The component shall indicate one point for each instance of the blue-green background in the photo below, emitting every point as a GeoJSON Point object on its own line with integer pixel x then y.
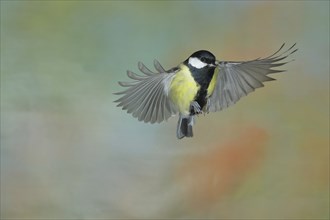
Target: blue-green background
{"type": "Point", "coordinates": [68, 152]}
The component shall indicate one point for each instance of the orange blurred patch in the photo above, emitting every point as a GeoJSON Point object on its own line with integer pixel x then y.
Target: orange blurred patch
{"type": "Point", "coordinates": [208, 177]}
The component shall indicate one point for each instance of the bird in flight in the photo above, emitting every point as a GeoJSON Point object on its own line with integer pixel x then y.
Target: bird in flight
{"type": "Point", "coordinates": [200, 84]}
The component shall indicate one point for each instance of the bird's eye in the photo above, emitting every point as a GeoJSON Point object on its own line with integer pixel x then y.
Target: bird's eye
{"type": "Point", "coordinates": [203, 59]}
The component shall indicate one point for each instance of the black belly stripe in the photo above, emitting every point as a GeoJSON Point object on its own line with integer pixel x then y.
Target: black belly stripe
{"type": "Point", "coordinates": [203, 77]}
{"type": "Point", "coordinates": [200, 99]}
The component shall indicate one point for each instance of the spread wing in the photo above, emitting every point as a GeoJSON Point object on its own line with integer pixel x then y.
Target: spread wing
{"type": "Point", "coordinates": [237, 79]}
{"type": "Point", "coordinates": [146, 97]}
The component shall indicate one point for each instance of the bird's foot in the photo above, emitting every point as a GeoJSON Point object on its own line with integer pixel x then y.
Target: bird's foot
{"type": "Point", "coordinates": [196, 107]}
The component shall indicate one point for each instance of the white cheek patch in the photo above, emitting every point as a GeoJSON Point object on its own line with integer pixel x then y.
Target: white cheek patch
{"type": "Point", "coordinates": [195, 62]}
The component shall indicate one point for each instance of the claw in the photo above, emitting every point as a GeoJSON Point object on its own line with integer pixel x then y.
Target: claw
{"type": "Point", "coordinates": [196, 107]}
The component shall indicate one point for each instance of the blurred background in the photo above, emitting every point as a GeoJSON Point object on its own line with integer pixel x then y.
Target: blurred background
{"type": "Point", "coordinates": [67, 151]}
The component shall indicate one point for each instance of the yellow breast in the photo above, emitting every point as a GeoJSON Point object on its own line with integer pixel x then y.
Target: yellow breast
{"type": "Point", "coordinates": [183, 89]}
{"type": "Point", "coordinates": [212, 84]}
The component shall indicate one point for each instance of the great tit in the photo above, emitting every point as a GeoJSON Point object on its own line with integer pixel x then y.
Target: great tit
{"type": "Point", "coordinates": [200, 84]}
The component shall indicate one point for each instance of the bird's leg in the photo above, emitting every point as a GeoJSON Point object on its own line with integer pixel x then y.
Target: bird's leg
{"type": "Point", "coordinates": [195, 107]}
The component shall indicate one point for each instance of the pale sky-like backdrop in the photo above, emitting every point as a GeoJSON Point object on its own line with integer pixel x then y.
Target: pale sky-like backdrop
{"type": "Point", "coordinates": [67, 151]}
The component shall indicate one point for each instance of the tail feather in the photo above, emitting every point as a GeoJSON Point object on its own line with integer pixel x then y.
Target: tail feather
{"type": "Point", "coordinates": [184, 128]}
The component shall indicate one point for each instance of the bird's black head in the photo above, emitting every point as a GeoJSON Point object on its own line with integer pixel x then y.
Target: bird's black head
{"type": "Point", "coordinates": [201, 59]}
